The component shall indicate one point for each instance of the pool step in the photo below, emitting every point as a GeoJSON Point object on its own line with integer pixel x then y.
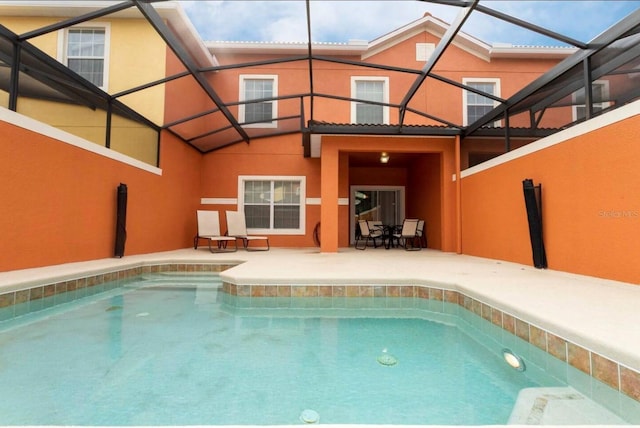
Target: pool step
{"type": "Point", "coordinates": [559, 406]}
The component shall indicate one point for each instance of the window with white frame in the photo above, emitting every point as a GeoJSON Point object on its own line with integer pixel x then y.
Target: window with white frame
{"type": "Point", "coordinates": [374, 89]}
{"type": "Point", "coordinates": [260, 114]}
{"type": "Point", "coordinates": [273, 204]}
{"type": "Point", "coordinates": [85, 51]}
{"type": "Point", "coordinates": [477, 105]}
{"type": "Point", "coordinates": [599, 93]}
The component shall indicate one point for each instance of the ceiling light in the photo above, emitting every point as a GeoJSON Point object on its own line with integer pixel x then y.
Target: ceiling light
{"type": "Point", "coordinates": [513, 360]}
{"type": "Point", "coordinates": [384, 157]}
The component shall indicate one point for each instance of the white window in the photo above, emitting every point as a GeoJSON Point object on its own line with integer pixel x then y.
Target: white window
{"type": "Point", "coordinates": [260, 114]}
{"type": "Point", "coordinates": [273, 204]}
{"type": "Point", "coordinates": [475, 105]}
{"type": "Point", "coordinates": [599, 93]}
{"type": "Point", "coordinates": [370, 89]}
{"type": "Point", "coordinates": [85, 51]}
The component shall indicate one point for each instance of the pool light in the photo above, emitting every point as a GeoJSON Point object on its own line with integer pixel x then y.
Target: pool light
{"type": "Point", "coordinates": [309, 416]}
{"type": "Point", "coordinates": [387, 359]}
{"type": "Point", "coordinates": [513, 360]}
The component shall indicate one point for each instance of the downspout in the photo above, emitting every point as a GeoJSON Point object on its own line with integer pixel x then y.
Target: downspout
{"type": "Point", "coordinates": [458, 199]}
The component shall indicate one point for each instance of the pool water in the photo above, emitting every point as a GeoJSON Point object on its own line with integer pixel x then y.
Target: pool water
{"type": "Point", "coordinates": [177, 351]}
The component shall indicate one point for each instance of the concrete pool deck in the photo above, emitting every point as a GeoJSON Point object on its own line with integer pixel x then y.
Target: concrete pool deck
{"type": "Point", "coordinates": [599, 315]}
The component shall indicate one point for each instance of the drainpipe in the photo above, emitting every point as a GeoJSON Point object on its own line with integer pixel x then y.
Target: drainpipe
{"type": "Point", "coordinates": [458, 199]}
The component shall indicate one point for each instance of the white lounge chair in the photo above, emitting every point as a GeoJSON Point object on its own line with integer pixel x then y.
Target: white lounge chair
{"type": "Point", "coordinates": [209, 229]}
{"type": "Point", "coordinates": [237, 227]}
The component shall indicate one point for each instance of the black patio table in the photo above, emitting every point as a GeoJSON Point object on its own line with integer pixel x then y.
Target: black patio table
{"type": "Point", "coordinates": [387, 234]}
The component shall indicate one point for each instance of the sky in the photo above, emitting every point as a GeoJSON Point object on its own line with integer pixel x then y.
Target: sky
{"type": "Point", "coordinates": [344, 20]}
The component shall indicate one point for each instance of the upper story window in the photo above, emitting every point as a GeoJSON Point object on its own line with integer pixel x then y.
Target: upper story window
{"type": "Point", "coordinates": [273, 204]}
{"type": "Point", "coordinates": [476, 105]}
{"type": "Point", "coordinates": [86, 52]}
{"type": "Point", "coordinates": [599, 93]}
{"type": "Point", "coordinates": [374, 89]}
{"type": "Point", "coordinates": [260, 114]}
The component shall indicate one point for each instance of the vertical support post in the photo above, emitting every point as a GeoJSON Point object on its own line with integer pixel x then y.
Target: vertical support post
{"type": "Point", "coordinates": [15, 76]}
{"type": "Point", "coordinates": [588, 89]}
{"type": "Point", "coordinates": [159, 147]}
{"type": "Point", "coordinates": [329, 178]}
{"type": "Point", "coordinates": [458, 198]}
{"type": "Point", "coordinates": [507, 132]}
{"type": "Point", "coordinates": [107, 137]}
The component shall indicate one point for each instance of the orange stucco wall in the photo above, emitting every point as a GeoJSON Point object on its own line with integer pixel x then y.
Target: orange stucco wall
{"type": "Point", "coordinates": [59, 201]}
{"type": "Point", "coordinates": [278, 156]}
{"type": "Point", "coordinates": [590, 205]}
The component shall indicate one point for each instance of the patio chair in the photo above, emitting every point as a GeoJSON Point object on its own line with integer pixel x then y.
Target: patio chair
{"type": "Point", "coordinates": [375, 225]}
{"type": "Point", "coordinates": [408, 237]}
{"type": "Point", "coordinates": [367, 234]}
{"type": "Point", "coordinates": [421, 234]}
{"type": "Point", "coordinates": [209, 229]}
{"type": "Point", "coordinates": [237, 227]}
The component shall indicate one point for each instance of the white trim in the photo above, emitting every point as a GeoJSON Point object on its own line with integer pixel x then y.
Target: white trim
{"type": "Point", "coordinates": [63, 36]}
{"type": "Point", "coordinates": [33, 125]}
{"type": "Point", "coordinates": [318, 201]}
{"type": "Point", "coordinates": [466, 81]}
{"type": "Point", "coordinates": [617, 115]}
{"type": "Point", "coordinates": [303, 186]}
{"type": "Point", "coordinates": [385, 96]}
{"type": "Point", "coordinates": [219, 201]}
{"type": "Point", "coordinates": [274, 103]}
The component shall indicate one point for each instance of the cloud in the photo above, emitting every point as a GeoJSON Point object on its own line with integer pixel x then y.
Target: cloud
{"type": "Point", "coordinates": [342, 20]}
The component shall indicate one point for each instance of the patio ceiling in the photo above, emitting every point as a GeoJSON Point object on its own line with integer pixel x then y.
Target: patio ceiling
{"type": "Point", "coordinates": [616, 51]}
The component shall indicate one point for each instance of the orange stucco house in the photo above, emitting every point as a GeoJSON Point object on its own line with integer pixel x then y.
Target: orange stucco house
{"type": "Point", "coordinates": [292, 135]}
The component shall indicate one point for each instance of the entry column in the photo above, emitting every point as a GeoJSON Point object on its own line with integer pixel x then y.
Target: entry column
{"type": "Point", "coordinates": [329, 173]}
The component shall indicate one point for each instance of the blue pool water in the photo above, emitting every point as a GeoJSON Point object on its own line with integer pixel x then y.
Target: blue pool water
{"type": "Point", "coordinates": [177, 351]}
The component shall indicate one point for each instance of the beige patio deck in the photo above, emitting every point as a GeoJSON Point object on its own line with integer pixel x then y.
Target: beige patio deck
{"type": "Point", "coordinates": [600, 315]}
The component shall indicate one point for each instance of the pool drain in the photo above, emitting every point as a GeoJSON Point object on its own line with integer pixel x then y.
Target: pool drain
{"type": "Point", "coordinates": [309, 416]}
{"type": "Point", "coordinates": [386, 359]}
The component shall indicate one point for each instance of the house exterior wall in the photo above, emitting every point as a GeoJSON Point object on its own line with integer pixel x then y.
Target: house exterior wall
{"type": "Point", "coordinates": [136, 56]}
{"type": "Point", "coordinates": [488, 203]}
{"type": "Point", "coordinates": [590, 208]}
{"type": "Point", "coordinates": [59, 201]}
{"type": "Point", "coordinates": [430, 190]}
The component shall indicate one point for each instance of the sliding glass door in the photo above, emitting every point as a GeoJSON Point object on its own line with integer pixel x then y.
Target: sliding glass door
{"type": "Point", "coordinates": [380, 203]}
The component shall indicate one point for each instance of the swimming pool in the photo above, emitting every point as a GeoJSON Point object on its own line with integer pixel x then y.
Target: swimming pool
{"type": "Point", "coordinates": [174, 350]}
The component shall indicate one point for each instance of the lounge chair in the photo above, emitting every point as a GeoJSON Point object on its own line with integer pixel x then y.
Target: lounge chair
{"type": "Point", "coordinates": [367, 234]}
{"type": "Point", "coordinates": [209, 229]}
{"type": "Point", "coordinates": [237, 228]}
{"type": "Point", "coordinates": [408, 236]}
